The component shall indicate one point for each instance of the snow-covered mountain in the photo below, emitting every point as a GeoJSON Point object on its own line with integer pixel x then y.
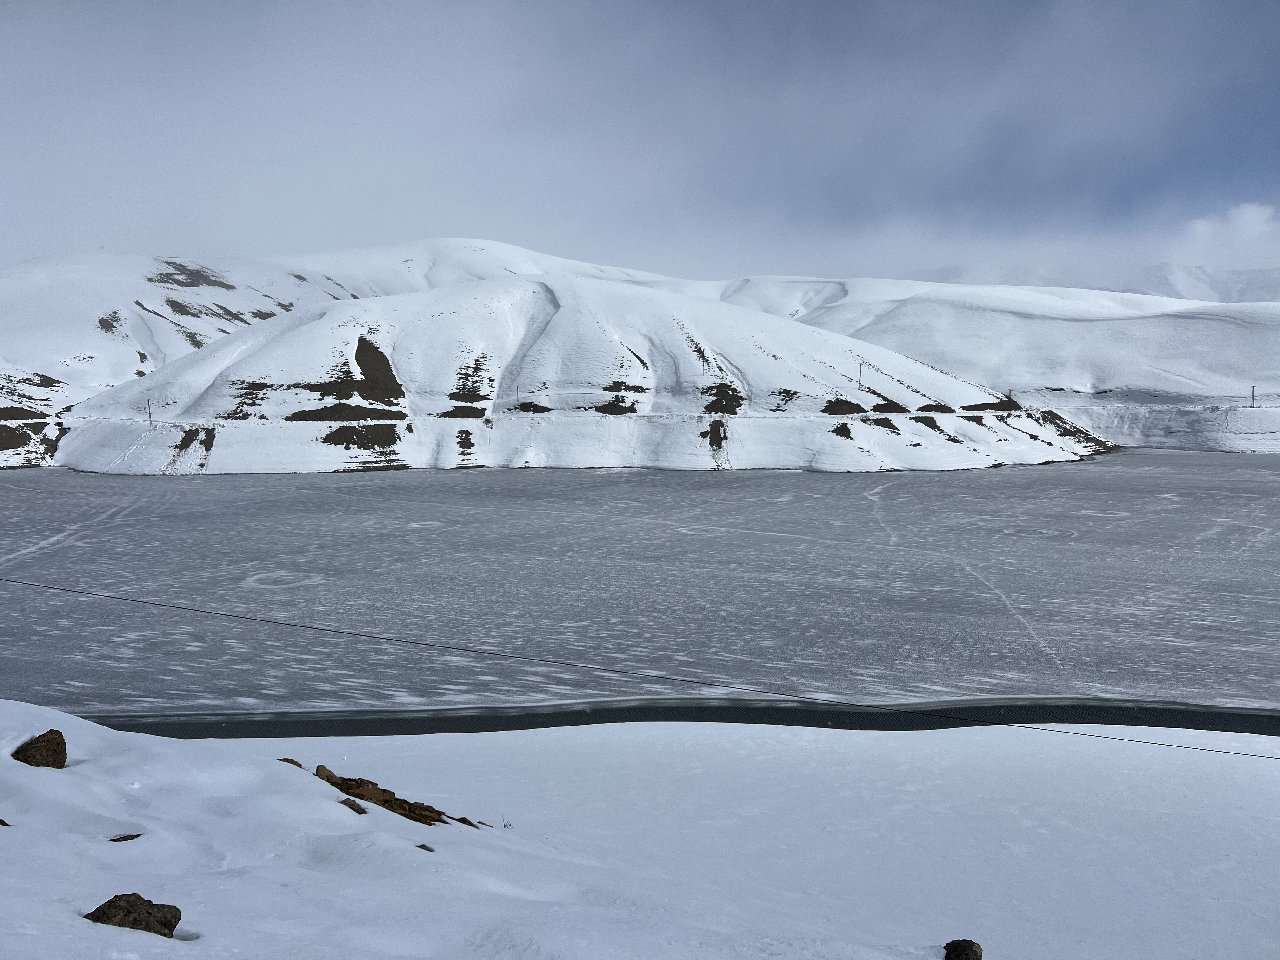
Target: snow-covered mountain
{"type": "Point", "coordinates": [1181, 281]}
{"type": "Point", "coordinates": [551, 371]}
{"type": "Point", "coordinates": [1135, 368]}
{"type": "Point", "coordinates": [70, 329]}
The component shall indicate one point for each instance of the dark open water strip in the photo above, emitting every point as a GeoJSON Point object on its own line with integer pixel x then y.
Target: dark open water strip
{"type": "Point", "coordinates": [897, 716]}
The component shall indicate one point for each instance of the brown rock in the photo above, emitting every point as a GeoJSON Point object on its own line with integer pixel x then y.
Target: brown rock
{"type": "Point", "coordinates": [47, 750]}
{"type": "Point", "coordinates": [352, 805]}
{"type": "Point", "coordinates": [370, 792]}
{"type": "Point", "coordinates": [136, 912]}
{"type": "Point", "coordinates": [291, 762]}
{"type": "Point", "coordinates": [962, 950]}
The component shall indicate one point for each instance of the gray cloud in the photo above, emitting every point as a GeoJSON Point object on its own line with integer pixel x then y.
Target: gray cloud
{"type": "Point", "coordinates": [696, 139]}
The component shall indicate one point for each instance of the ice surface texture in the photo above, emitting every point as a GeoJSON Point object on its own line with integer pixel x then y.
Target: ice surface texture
{"type": "Point", "coordinates": [1147, 575]}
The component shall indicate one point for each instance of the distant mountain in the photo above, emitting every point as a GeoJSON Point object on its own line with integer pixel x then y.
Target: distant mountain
{"type": "Point", "coordinates": [1160, 280]}
{"type": "Point", "coordinates": [1137, 370]}
{"type": "Point", "coordinates": [126, 331]}
{"type": "Point", "coordinates": [554, 371]}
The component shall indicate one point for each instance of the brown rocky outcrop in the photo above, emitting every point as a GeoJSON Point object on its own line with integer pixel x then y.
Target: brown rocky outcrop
{"type": "Point", "coordinates": [370, 792]}
{"type": "Point", "coordinates": [135, 912]}
{"type": "Point", "coordinates": [47, 750]}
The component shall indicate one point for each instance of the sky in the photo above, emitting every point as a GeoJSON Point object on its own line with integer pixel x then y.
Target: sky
{"type": "Point", "coordinates": [699, 139]}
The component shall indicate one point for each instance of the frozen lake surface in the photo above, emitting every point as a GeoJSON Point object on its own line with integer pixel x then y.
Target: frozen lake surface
{"type": "Point", "coordinates": [1143, 574]}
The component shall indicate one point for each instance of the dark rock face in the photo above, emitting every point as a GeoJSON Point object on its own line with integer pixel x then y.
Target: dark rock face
{"type": "Point", "coordinates": [962, 950]}
{"type": "Point", "coordinates": [136, 912]}
{"type": "Point", "coordinates": [123, 837]}
{"type": "Point", "coordinates": [47, 750]}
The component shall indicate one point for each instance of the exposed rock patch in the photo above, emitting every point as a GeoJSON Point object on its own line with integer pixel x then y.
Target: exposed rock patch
{"type": "Point", "coordinates": [619, 386]}
{"type": "Point", "coordinates": [962, 950]}
{"type": "Point", "coordinates": [616, 406]}
{"type": "Point", "coordinates": [364, 436]}
{"type": "Point", "coordinates": [840, 407]}
{"type": "Point", "coordinates": [182, 274]}
{"type": "Point", "coordinates": [47, 750]}
{"type": "Point", "coordinates": [725, 398]}
{"type": "Point", "coordinates": [357, 788]}
{"type": "Point", "coordinates": [338, 412]}
{"type": "Point", "coordinates": [135, 912]}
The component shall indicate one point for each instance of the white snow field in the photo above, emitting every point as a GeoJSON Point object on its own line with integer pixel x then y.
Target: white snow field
{"type": "Point", "coordinates": [1136, 369]}
{"type": "Point", "coordinates": [637, 841]}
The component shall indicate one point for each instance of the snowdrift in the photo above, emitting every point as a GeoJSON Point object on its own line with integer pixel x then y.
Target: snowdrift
{"type": "Point", "coordinates": [562, 371]}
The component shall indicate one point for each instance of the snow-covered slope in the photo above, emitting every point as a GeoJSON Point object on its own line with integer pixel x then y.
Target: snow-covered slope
{"type": "Point", "coordinates": [1177, 280]}
{"type": "Point", "coordinates": [1135, 369]}
{"type": "Point", "coordinates": [1205, 283]}
{"type": "Point", "coordinates": [643, 841]}
{"type": "Point", "coordinates": [70, 329]}
{"type": "Point", "coordinates": [560, 371]}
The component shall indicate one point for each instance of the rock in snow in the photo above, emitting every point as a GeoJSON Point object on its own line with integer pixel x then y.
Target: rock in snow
{"type": "Point", "coordinates": [49, 749]}
{"type": "Point", "coordinates": [136, 912]}
{"type": "Point", "coordinates": [962, 950]}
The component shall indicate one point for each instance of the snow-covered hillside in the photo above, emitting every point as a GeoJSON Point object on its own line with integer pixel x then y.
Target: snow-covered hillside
{"type": "Point", "coordinates": [642, 841]}
{"type": "Point", "coordinates": [1135, 369]}
{"type": "Point", "coordinates": [1175, 280]}
{"type": "Point", "coordinates": [561, 371]}
{"type": "Point", "coordinates": [70, 329]}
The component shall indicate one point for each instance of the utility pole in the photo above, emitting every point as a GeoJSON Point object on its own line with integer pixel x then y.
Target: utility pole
{"type": "Point", "coordinates": [149, 420]}
{"type": "Point", "coordinates": [1253, 396]}
{"type": "Point", "coordinates": [860, 362]}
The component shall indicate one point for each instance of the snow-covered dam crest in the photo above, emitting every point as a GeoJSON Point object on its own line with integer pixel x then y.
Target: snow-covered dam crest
{"type": "Point", "coordinates": [555, 371]}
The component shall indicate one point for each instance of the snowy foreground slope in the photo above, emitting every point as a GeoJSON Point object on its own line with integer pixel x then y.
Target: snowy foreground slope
{"type": "Point", "coordinates": [1137, 369]}
{"type": "Point", "coordinates": [561, 371]}
{"type": "Point", "coordinates": [639, 841]}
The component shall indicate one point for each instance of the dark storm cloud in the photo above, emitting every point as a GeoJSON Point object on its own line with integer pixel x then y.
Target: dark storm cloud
{"type": "Point", "coordinates": [694, 138]}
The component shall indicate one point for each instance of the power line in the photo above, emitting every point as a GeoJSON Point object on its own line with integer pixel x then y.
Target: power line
{"type": "Point", "coordinates": [623, 672]}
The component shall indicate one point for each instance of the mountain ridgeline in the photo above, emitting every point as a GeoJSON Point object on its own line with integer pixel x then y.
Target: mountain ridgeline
{"type": "Point", "coordinates": [459, 353]}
